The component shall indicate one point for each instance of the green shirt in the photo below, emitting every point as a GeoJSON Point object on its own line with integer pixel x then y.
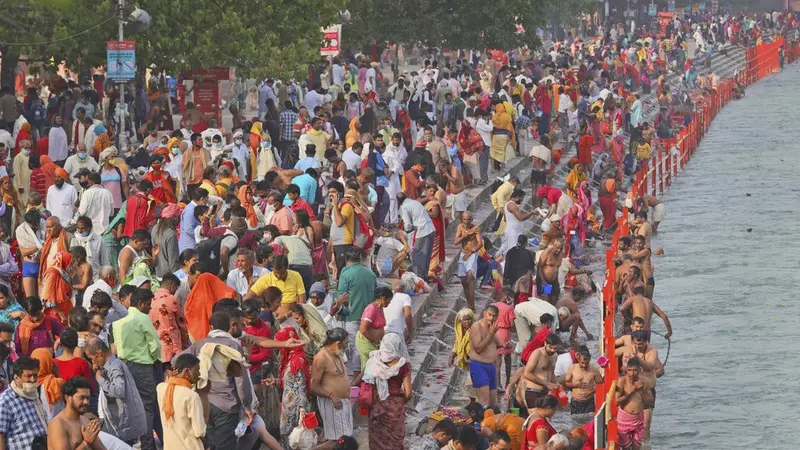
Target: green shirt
{"type": "Point", "coordinates": [360, 283]}
{"type": "Point", "coordinates": [136, 338]}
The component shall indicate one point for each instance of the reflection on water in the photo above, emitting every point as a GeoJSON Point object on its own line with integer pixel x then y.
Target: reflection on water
{"type": "Point", "coordinates": [728, 280]}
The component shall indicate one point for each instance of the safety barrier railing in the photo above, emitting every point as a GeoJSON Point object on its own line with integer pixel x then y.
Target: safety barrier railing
{"type": "Point", "coordinates": [669, 157]}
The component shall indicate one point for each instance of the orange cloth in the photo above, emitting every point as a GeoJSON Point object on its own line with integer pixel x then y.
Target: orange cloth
{"type": "Point", "coordinates": [60, 241]}
{"type": "Point", "coordinates": [24, 331]}
{"type": "Point", "coordinates": [169, 406]}
{"type": "Point", "coordinates": [248, 205]}
{"type": "Point", "coordinates": [49, 168]}
{"type": "Point", "coordinates": [57, 287]}
{"type": "Point", "coordinates": [207, 291]}
{"type": "Point", "coordinates": [101, 143]}
{"type": "Point", "coordinates": [49, 383]}
{"type": "Point", "coordinates": [162, 186]}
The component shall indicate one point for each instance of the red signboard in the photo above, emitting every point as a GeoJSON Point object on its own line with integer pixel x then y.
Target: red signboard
{"type": "Point", "coordinates": [206, 99]}
{"type": "Point", "coordinates": [331, 41]}
{"type": "Point", "coordinates": [210, 74]}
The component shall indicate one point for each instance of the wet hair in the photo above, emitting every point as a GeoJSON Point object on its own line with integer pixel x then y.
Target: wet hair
{"type": "Point", "coordinates": [335, 335]}
{"type": "Point", "coordinates": [578, 291]}
{"type": "Point", "coordinates": [446, 426]}
{"type": "Point", "coordinates": [638, 289]}
{"type": "Point", "coordinates": [385, 292]}
{"type": "Point", "coordinates": [185, 361]}
{"type": "Point", "coordinates": [546, 318]}
{"type": "Point", "coordinates": [634, 362]}
{"type": "Point", "coordinates": [552, 339]}
{"type": "Point", "coordinates": [642, 214]}
{"type": "Point", "coordinates": [638, 319]}
{"type": "Point", "coordinates": [492, 308]}
{"type": "Point", "coordinates": [546, 402]}
{"type": "Point", "coordinates": [498, 436]}
{"type": "Point", "coordinates": [626, 240]}
{"type": "Point", "coordinates": [637, 272]}
{"type": "Point", "coordinates": [640, 335]}
{"type": "Point", "coordinates": [72, 385]}
{"type": "Point", "coordinates": [466, 436]}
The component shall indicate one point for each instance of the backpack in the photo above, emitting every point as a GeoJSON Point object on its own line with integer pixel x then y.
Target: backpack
{"type": "Point", "coordinates": [209, 252]}
{"type": "Point", "coordinates": [629, 164]}
{"type": "Point", "coordinates": [39, 112]}
{"type": "Point", "coordinates": [363, 236]}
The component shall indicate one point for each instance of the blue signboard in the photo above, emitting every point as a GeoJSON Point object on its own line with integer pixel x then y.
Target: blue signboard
{"type": "Point", "coordinates": [121, 60]}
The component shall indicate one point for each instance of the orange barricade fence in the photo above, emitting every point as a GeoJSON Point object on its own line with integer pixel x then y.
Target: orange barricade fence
{"type": "Point", "coordinates": [669, 157]}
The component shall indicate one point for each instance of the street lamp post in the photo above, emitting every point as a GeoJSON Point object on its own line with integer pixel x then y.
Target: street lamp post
{"type": "Point", "coordinates": [123, 141]}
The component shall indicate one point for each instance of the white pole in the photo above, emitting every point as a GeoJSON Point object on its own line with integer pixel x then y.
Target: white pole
{"type": "Point", "coordinates": [123, 141]}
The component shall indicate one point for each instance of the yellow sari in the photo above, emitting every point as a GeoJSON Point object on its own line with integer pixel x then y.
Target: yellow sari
{"type": "Point", "coordinates": [501, 120]}
{"type": "Point", "coordinates": [574, 179]}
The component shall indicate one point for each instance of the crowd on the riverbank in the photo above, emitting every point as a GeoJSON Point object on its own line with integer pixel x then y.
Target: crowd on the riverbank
{"type": "Point", "coordinates": [217, 286]}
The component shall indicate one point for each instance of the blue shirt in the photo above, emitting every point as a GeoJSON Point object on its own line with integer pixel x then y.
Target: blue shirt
{"type": "Point", "coordinates": [306, 163]}
{"type": "Point", "coordinates": [19, 422]}
{"type": "Point", "coordinates": [188, 224]}
{"type": "Point", "coordinates": [308, 189]}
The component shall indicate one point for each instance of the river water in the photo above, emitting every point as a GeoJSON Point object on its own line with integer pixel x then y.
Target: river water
{"type": "Point", "coordinates": [728, 280]}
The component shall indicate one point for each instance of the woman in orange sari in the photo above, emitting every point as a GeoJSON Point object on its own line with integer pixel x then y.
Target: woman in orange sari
{"type": "Point", "coordinates": [163, 191]}
{"type": "Point", "coordinates": [57, 288]}
{"type": "Point", "coordinates": [436, 212]}
{"type": "Point", "coordinates": [49, 168]}
{"type": "Point", "coordinates": [245, 196]}
{"type": "Point", "coordinates": [207, 291]}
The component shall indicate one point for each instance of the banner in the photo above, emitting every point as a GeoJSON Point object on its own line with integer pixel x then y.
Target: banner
{"type": "Point", "coordinates": [331, 41]}
{"type": "Point", "coordinates": [121, 60]}
{"type": "Point", "coordinates": [671, 6]}
{"type": "Point", "coordinates": [652, 11]}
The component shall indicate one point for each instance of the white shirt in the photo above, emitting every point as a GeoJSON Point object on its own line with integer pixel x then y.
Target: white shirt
{"type": "Point", "coordinates": [338, 75]}
{"type": "Point", "coordinates": [95, 250]}
{"type": "Point", "coordinates": [75, 164]}
{"type": "Point", "coordinates": [312, 100]}
{"type": "Point", "coordinates": [563, 362]}
{"type": "Point", "coordinates": [564, 103]}
{"type": "Point", "coordinates": [97, 203]}
{"type": "Point", "coordinates": [99, 284]}
{"type": "Point", "coordinates": [238, 281]}
{"type": "Point", "coordinates": [60, 201]}
{"type": "Point", "coordinates": [485, 130]}
{"type": "Point", "coordinates": [58, 144]}
{"type": "Point", "coordinates": [416, 218]}
{"type": "Point", "coordinates": [390, 247]}
{"type": "Point", "coordinates": [395, 319]}
{"type": "Point", "coordinates": [351, 159]}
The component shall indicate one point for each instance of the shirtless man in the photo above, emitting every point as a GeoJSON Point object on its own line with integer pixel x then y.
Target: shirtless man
{"type": "Point", "coordinates": [573, 321]}
{"type": "Point", "coordinates": [641, 254]}
{"type": "Point", "coordinates": [641, 227]}
{"type": "Point", "coordinates": [281, 178]}
{"type": "Point", "coordinates": [539, 373]}
{"type": "Point", "coordinates": [483, 355]}
{"type": "Point", "coordinates": [582, 378]}
{"type": "Point", "coordinates": [632, 394]}
{"type": "Point", "coordinates": [539, 171]}
{"type": "Point", "coordinates": [647, 202]}
{"type": "Point", "coordinates": [625, 340]}
{"type": "Point", "coordinates": [139, 244]}
{"type": "Point", "coordinates": [468, 235]}
{"type": "Point", "coordinates": [456, 194]}
{"type": "Point", "coordinates": [69, 430]}
{"type": "Point", "coordinates": [547, 272]}
{"type": "Point", "coordinates": [330, 384]}
{"type": "Point", "coordinates": [651, 369]}
{"type": "Point", "coordinates": [643, 307]}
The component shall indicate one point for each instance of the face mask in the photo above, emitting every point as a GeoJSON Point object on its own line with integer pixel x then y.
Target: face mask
{"type": "Point", "coordinates": [26, 151]}
{"type": "Point", "coordinates": [268, 236]}
{"type": "Point", "coordinates": [82, 155]}
{"type": "Point", "coordinates": [429, 138]}
{"type": "Point", "coordinates": [59, 184]}
{"type": "Point", "coordinates": [84, 184]}
{"type": "Point", "coordinates": [30, 388]}
{"type": "Point", "coordinates": [217, 145]}
{"type": "Point", "coordinates": [176, 151]}
{"type": "Point", "coordinates": [156, 166]}
{"type": "Point", "coordinates": [266, 144]}
{"type": "Point", "coordinates": [256, 199]}
{"type": "Point", "coordinates": [112, 161]}
{"type": "Point", "coordinates": [237, 141]}
{"type": "Point", "coordinates": [84, 234]}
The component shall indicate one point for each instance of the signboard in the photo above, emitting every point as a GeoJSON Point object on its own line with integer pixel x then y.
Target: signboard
{"type": "Point", "coordinates": [206, 99]}
{"type": "Point", "coordinates": [331, 41]}
{"type": "Point", "coordinates": [671, 6]}
{"type": "Point", "coordinates": [695, 8]}
{"type": "Point", "coordinates": [211, 74]}
{"type": "Point", "coordinates": [121, 60]}
{"type": "Point", "coordinates": [652, 10]}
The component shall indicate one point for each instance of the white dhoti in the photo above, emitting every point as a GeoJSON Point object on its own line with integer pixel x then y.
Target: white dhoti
{"type": "Point", "coordinates": [457, 203]}
{"type": "Point", "coordinates": [658, 213]}
{"type": "Point", "coordinates": [336, 422]}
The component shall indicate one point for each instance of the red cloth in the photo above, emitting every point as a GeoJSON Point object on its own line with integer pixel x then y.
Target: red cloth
{"type": "Point", "coordinates": [207, 290]}
{"type": "Point", "coordinates": [139, 214]}
{"type": "Point", "coordinates": [585, 149]}
{"type": "Point", "coordinates": [259, 355]}
{"type": "Point", "coordinates": [21, 136]}
{"type": "Point", "coordinates": [609, 209]}
{"type": "Point", "coordinates": [75, 367]}
{"type": "Point", "coordinates": [536, 342]}
{"type": "Point", "coordinates": [552, 194]}
{"type": "Point", "coordinates": [38, 183]}
{"type": "Point", "coordinates": [299, 204]}
{"type": "Point", "coordinates": [43, 146]}
{"type": "Point", "coordinates": [530, 432]}
{"type": "Point", "coordinates": [292, 358]}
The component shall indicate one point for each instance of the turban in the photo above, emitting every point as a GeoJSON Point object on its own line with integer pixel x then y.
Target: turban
{"type": "Point", "coordinates": [99, 129]}
{"type": "Point", "coordinates": [61, 173]}
{"type": "Point", "coordinates": [108, 153]}
{"type": "Point", "coordinates": [170, 210]}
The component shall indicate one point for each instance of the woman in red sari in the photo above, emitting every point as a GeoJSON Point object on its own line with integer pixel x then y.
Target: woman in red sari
{"type": "Point", "coordinates": [436, 212]}
{"type": "Point", "coordinates": [606, 198]}
{"type": "Point", "coordinates": [585, 143]}
{"type": "Point", "coordinates": [163, 186]}
{"type": "Point", "coordinates": [57, 288]}
{"type": "Point", "coordinates": [538, 429]}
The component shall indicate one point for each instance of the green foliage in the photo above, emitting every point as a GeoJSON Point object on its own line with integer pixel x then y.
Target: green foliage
{"type": "Point", "coordinates": [261, 37]}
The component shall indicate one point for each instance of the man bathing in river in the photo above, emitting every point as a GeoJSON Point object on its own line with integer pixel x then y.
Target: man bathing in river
{"type": "Point", "coordinates": [547, 285]}
{"type": "Point", "coordinates": [643, 307]}
{"type": "Point", "coordinates": [647, 202]}
{"type": "Point", "coordinates": [641, 227]}
{"type": "Point", "coordinates": [539, 376]}
{"type": "Point", "coordinates": [641, 255]}
{"type": "Point", "coordinates": [625, 340]}
{"type": "Point", "coordinates": [650, 369]}
{"type": "Point", "coordinates": [632, 395]}
{"type": "Point", "coordinates": [582, 378]}
{"type": "Point", "coordinates": [483, 355]}
{"type": "Point", "coordinates": [573, 320]}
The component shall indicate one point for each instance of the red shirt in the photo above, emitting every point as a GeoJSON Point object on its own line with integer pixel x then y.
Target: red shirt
{"type": "Point", "coordinates": [259, 355]}
{"type": "Point", "coordinates": [299, 204]}
{"type": "Point", "coordinates": [75, 367]}
{"type": "Point", "coordinates": [536, 342]}
{"type": "Point", "coordinates": [38, 183]}
{"type": "Point", "coordinates": [550, 193]}
{"type": "Point", "coordinates": [530, 433]}
{"type": "Point", "coordinates": [139, 214]}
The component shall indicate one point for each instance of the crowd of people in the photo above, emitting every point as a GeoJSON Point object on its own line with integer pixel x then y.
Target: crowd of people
{"type": "Point", "coordinates": [213, 288]}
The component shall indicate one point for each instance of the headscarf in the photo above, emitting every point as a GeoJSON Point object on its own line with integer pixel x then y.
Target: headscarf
{"type": "Point", "coordinates": [353, 135]}
{"type": "Point", "coordinates": [49, 383]}
{"type": "Point", "coordinates": [170, 210]}
{"type": "Point", "coordinates": [172, 143]}
{"type": "Point", "coordinates": [169, 403]}
{"type": "Point", "coordinates": [24, 331]}
{"type": "Point", "coordinates": [501, 118]}
{"type": "Point", "coordinates": [611, 186]}
{"type": "Point", "coordinates": [292, 358]}
{"type": "Point", "coordinates": [584, 198]}
{"type": "Point", "coordinates": [49, 168]}
{"type": "Point", "coordinates": [377, 371]}
{"type": "Point", "coordinates": [359, 205]}
{"type": "Point", "coordinates": [248, 205]}
{"type": "Point", "coordinates": [107, 153]}
{"type": "Point", "coordinates": [8, 199]}
{"type": "Point", "coordinates": [462, 345]}
{"type": "Point", "coordinates": [255, 135]}
{"type": "Point", "coordinates": [207, 291]}
{"type": "Point", "coordinates": [99, 129]}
